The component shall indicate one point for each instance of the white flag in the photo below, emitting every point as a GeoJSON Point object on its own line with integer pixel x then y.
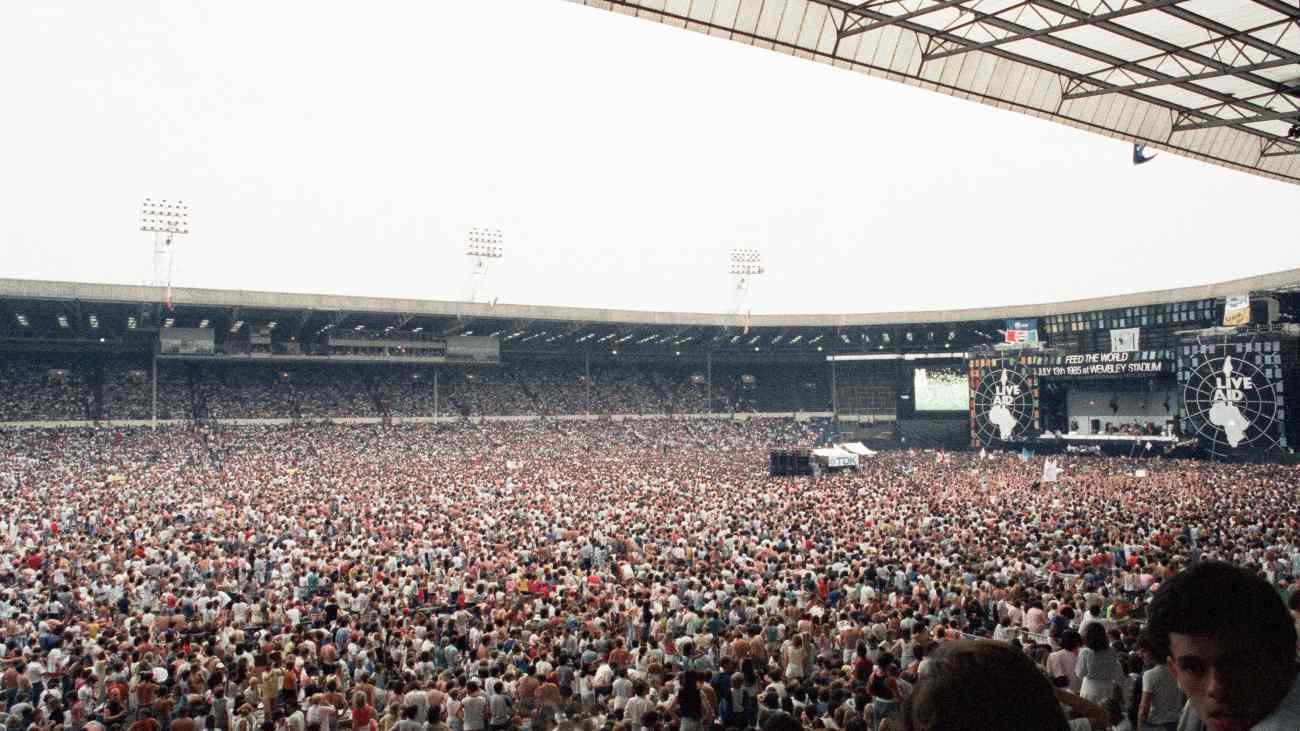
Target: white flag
{"type": "Point", "coordinates": [1050, 471]}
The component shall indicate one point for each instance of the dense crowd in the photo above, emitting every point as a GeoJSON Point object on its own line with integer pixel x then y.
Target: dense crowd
{"type": "Point", "coordinates": [618, 575]}
{"type": "Point", "coordinates": [197, 390]}
{"type": "Point", "coordinates": [44, 393]}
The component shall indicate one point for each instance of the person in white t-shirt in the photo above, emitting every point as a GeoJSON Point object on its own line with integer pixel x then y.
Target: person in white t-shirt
{"type": "Point", "coordinates": [1162, 700]}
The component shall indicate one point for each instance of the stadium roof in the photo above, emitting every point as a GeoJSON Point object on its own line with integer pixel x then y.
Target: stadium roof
{"type": "Point", "coordinates": [1214, 80]}
{"type": "Point", "coordinates": [38, 311]}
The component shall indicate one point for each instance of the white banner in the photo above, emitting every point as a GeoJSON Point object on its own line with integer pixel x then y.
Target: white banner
{"type": "Point", "coordinates": [1124, 340]}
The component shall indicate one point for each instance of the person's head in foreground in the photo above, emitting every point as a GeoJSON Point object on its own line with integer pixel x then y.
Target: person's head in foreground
{"type": "Point", "coordinates": [1229, 642]}
{"type": "Point", "coordinates": [982, 685]}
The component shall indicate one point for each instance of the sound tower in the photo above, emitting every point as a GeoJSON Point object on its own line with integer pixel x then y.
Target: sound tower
{"type": "Point", "coordinates": [789, 462]}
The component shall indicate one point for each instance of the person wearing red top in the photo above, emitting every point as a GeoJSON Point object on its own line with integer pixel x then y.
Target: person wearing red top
{"type": "Point", "coordinates": [363, 714]}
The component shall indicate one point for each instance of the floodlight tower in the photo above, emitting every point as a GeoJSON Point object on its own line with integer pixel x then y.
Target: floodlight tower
{"type": "Point", "coordinates": [746, 263]}
{"type": "Point", "coordinates": [482, 246]}
{"type": "Point", "coordinates": [166, 220]}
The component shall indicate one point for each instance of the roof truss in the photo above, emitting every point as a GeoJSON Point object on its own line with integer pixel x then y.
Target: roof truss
{"type": "Point", "coordinates": [1209, 75]}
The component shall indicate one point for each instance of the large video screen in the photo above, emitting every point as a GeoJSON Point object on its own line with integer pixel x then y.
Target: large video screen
{"type": "Point", "coordinates": [940, 389]}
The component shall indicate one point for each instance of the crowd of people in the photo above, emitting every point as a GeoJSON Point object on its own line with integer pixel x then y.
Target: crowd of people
{"type": "Point", "coordinates": [618, 575]}
{"type": "Point", "coordinates": [198, 390]}
{"type": "Point", "coordinates": [42, 393]}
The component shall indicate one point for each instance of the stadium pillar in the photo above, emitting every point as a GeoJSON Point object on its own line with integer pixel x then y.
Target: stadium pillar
{"type": "Point", "coordinates": [435, 394]}
{"type": "Point", "coordinates": [586, 355]}
{"type": "Point", "coordinates": [835, 397]}
{"type": "Point", "coordinates": [708, 378]}
{"type": "Point", "coordinates": [153, 400]}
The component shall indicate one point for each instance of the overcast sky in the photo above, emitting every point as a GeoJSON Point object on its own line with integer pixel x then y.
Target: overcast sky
{"type": "Point", "coordinates": [346, 148]}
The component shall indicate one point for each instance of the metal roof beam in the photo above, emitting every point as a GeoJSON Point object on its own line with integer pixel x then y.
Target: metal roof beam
{"type": "Point", "coordinates": [1140, 66]}
{"type": "Point", "coordinates": [1107, 58]}
{"type": "Point", "coordinates": [1213, 26]}
{"type": "Point", "coordinates": [1026, 34]}
{"type": "Point", "coordinates": [1276, 148]}
{"type": "Point", "coordinates": [1292, 114]}
{"type": "Point", "coordinates": [860, 24]}
{"type": "Point", "coordinates": [1154, 42]}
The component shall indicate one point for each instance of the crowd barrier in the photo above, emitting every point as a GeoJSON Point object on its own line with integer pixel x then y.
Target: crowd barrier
{"type": "Point", "coordinates": [114, 423]}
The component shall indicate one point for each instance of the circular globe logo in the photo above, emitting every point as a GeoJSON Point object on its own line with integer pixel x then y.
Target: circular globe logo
{"type": "Point", "coordinates": [1003, 406]}
{"type": "Point", "coordinates": [1231, 404]}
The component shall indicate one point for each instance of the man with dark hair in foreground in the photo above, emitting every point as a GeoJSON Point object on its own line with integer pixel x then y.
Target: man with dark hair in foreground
{"type": "Point", "coordinates": [1230, 644]}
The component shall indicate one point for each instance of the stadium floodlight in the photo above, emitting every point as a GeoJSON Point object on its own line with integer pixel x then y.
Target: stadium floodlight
{"type": "Point", "coordinates": [746, 263]}
{"type": "Point", "coordinates": [482, 246]}
{"type": "Point", "coordinates": [165, 219]}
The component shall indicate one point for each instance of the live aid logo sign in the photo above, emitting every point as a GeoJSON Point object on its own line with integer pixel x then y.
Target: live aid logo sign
{"type": "Point", "coordinates": [1229, 389]}
{"type": "Point", "coordinates": [1005, 394]}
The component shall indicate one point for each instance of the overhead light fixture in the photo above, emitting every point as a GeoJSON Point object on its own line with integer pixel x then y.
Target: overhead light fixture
{"type": "Point", "coordinates": [63, 321]}
{"type": "Point", "coordinates": [359, 328]}
{"type": "Point", "coordinates": [418, 329]}
{"type": "Point", "coordinates": [271, 325]}
{"type": "Point", "coordinates": [467, 333]}
{"type": "Point", "coordinates": [169, 322]}
{"type": "Point", "coordinates": [952, 334]}
{"type": "Point", "coordinates": [203, 323]}
{"type": "Point", "coordinates": [130, 322]}
{"type": "Point", "coordinates": [94, 322]}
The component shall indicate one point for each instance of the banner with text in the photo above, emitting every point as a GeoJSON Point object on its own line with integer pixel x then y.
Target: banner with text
{"type": "Point", "coordinates": [1236, 310]}
{"type": "Point", "coordinates": [1089, 365]}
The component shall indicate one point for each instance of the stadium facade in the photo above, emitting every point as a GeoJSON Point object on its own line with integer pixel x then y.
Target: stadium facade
{"type": "Point", "coordinates": [1207, 366]}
